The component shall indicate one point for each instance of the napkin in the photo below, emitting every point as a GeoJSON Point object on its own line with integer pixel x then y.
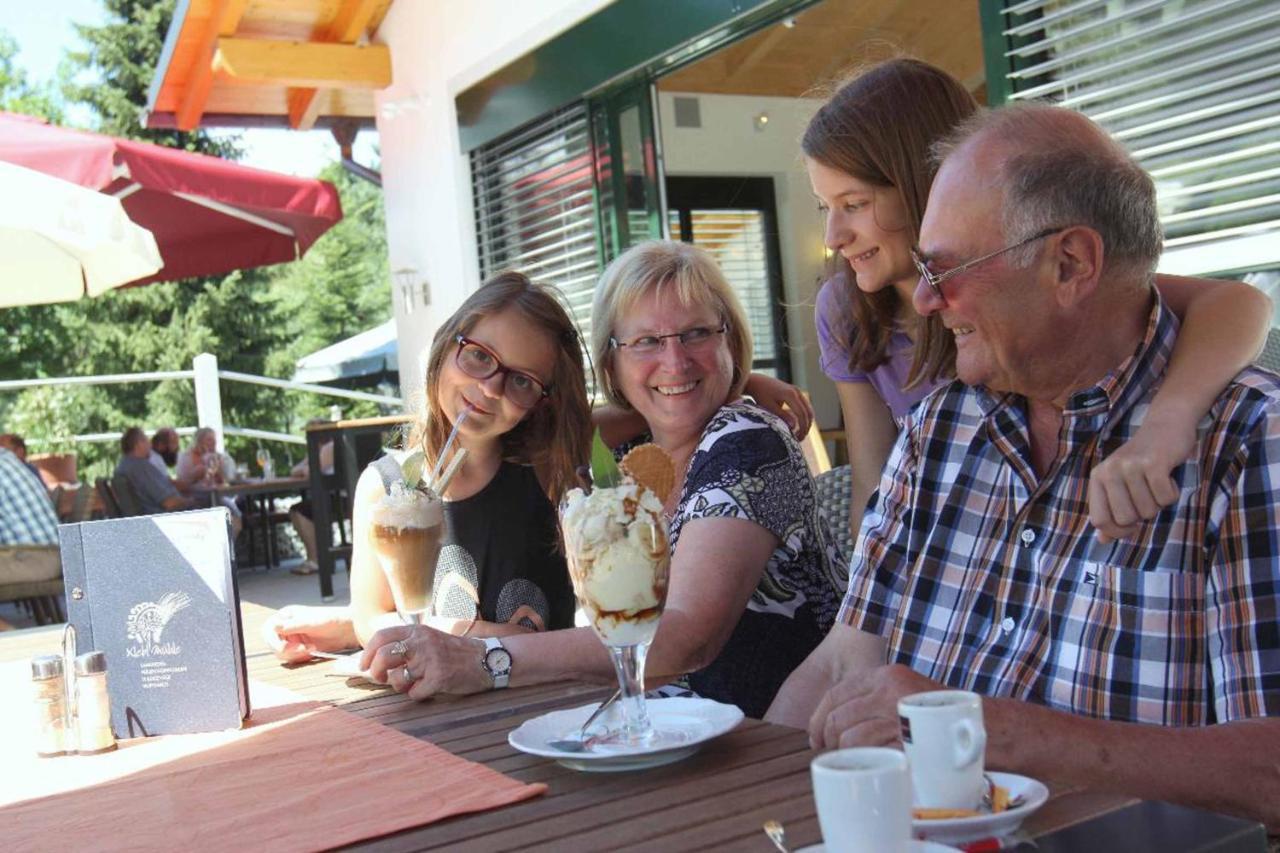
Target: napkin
{"type": "Point", "coordinates": [301, 776]}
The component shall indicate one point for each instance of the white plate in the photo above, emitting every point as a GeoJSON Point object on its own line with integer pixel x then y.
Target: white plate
{"type": "Point", "coordinates": [686, 721]}
{"type": "Point", "coordinates": [915, 845]}
{"type": "Point", "coordinates": [957, 830]}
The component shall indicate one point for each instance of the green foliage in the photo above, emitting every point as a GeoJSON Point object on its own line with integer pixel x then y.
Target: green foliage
{"type": "Point", "coordinates": [19, 95]}
{"type": "Point", "coordinates": [255, 321]}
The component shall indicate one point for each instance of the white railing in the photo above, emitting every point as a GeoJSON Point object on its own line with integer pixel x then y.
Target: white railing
{"type": "Point", "coordinates": [206, 376]}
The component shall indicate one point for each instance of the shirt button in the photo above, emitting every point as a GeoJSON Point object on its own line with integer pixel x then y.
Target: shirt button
{"type": "Point", "coordinates": [1008, 624]}
{"type": "Point", "coordinates": [1028, 536]}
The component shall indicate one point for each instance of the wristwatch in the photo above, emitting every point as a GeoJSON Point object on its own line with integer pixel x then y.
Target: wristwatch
{"type": "Point", "coordinates": [496, 661]}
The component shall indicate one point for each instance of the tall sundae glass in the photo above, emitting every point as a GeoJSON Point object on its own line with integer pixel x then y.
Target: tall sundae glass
{"type": "Point", "coordinates": [405, 532]}
{"type": "Point", "coordinates": [616, 545]}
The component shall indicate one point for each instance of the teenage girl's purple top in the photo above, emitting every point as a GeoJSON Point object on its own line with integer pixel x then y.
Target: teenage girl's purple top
{"type": "Point", "coordinates": [833, 315]}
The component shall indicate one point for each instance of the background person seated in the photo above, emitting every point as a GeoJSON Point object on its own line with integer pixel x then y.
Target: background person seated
{"type": "Point", "coordinates": [14, 443]}
{"type": "Point", "coordinates": [300, 513]}
{"type": "Point", "coordinates": [202, 463]}
{"type": "Point", "coordinates": [156, 492]}
{"type": "Point", "coordinates": [164, 451]}
{"type": "Point", "coordinates": [26, 518]}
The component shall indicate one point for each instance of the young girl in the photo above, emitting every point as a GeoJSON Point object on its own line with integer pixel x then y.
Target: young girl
{"type": "Point", "coordinates": [867, 154]}
{"type": "Point", "coordinates": [511, 360]}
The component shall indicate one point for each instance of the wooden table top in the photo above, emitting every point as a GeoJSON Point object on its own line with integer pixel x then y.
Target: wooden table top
{"type": "Point", "coordinates": [716, 799]}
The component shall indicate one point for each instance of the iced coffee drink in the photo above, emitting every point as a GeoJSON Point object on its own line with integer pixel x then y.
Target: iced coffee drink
{"type": "Point", "coordinates": [406, 526]}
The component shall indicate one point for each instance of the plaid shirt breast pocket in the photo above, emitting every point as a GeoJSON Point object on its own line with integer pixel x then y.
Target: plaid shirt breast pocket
{"type": "Point", "coordinates": [1130, 645]}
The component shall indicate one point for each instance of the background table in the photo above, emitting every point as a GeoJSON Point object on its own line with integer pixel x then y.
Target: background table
{"type": "Point", "coordinates": [261, 495]}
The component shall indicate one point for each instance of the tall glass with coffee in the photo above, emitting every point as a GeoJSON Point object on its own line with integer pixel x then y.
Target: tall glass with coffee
{"type": "Point", "coordinates": [406, 529]}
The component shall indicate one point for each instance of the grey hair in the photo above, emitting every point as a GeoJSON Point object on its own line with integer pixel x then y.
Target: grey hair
{"type": "Point", "coordinates": [1058, 168]}
{"type": "Point", "coordinates": [200, 434]}
{"type": "Point", "coordinates": [696, 279]}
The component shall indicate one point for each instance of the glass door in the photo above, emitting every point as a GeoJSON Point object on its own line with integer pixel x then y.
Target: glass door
{"type": "Point", "coordinates": [628, 170]}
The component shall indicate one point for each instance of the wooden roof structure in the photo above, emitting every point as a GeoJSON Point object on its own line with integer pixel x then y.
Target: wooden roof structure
{"type": "Point", "coordinates": [270, 63]}
{"type": "Point", "coordinates": [805, 54]}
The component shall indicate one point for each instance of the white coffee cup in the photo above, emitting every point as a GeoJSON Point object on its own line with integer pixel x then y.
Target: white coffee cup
{"type": "Point", "coordinates": [864, 800]}
{"type": "Point", "coordinates": [945, 740]}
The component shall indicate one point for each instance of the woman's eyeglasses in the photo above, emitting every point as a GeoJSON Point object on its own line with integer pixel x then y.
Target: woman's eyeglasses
{"type": "Point", "coordinates": [696, 339]}
{"type": "Point", "coordinates": [479, 362]}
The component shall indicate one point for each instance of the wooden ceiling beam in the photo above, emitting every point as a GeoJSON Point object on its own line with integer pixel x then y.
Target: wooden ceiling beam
{"type": "Point", "coordinates": [305, 65]}
{"type": "Point", "coordinates": [223, 20]}
{"type": "Point", "coordinates": [347, 27]}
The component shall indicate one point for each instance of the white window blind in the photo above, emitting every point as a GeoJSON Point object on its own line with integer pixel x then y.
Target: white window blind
{"type": "Point", "coordinates": [1192, 87]}
{"type": "Point", "coordinates": [736, 239]}
{"type": "Point", "coordinates": [534, 207]}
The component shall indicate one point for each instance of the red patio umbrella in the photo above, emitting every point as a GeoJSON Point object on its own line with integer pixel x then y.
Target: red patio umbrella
{"type": "Point", "coordinates": [208, 215]}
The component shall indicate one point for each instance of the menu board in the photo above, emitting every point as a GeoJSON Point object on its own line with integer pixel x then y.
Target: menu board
{"type": "Point", "coordinates": [157, 594]}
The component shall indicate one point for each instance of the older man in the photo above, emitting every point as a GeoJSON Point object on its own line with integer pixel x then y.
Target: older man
{"type": "Point", "coordinates": [1149, 665]}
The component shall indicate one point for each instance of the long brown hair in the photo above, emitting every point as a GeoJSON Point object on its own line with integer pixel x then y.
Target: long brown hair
{"type": "Point", "coordinates": [878, 126]}
{"type": "Point", "coordinates": [555, 437]}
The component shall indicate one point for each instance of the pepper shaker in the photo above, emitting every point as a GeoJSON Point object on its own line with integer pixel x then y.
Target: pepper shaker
{"type": "Point", "coordinates": [93, 705]}
{"type": "Point", "coordinates": [49, 695]}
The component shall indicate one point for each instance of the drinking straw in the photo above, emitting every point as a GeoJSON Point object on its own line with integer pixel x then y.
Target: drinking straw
{"type": "Point", "coordinates": [435, 472]}
{"type": "Point", "coordinates": [454, 465]}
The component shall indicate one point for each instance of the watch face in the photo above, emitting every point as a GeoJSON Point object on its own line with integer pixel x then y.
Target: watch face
{"type": "Point", "coordinates": [498, 661]}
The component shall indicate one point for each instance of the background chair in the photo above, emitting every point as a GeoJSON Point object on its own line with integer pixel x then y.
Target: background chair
{"type": "Point", "coordinates": [833, 489]}
{"type": "Point", "coordinates": [81, 504]}
{"type": "Point", "coordinates": [110, 506]}
{"type": "Point", "coordinates": [32, 575]}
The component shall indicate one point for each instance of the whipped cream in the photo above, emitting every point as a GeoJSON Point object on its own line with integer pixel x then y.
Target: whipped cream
{"type": "Point", "coordinates": [400, 508]}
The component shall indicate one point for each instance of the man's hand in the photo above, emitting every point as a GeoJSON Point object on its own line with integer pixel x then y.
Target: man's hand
{"type": "Point", "coordinates": [862, 710]}
{"type": "Point", "coordinates": [1133, 483]}
{"type": "Point", "coordinates": [782, 399]}
{"type": "Point", "coordinates": [423, 662]}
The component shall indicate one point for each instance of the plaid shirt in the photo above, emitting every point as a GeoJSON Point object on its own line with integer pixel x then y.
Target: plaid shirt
{"type": "Point", "coordinates": [26, 515]}
{"type": "Point", "coordinates": [984, 577]}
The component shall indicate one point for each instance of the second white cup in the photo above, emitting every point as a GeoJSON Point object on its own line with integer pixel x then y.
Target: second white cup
{"type": "Point", "coordinates": [864, 800]}
{"type": "Point", "coordinates": [945, 741]}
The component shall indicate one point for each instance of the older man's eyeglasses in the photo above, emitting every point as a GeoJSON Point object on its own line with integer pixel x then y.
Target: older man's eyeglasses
{"type": "Point", "coordinates": [935, 280]}
{"type": "Point", "coordinates": [479, 362]}
{"type": "Point", "coordinates": [694, 340]}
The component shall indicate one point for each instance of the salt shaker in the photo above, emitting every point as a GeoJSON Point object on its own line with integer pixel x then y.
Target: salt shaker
{"type": "Point", "coordinates": [93, 705]}
{"type": "Point", "coordinates": [49, 694]}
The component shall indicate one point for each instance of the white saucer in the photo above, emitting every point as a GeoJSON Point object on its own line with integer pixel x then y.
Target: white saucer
{"type": "Point", "coordinates": [958, 830]}
{"type": "Point", "coordinates": [915, 845]}
{"type": "Point", "coordinates": [685, 721]}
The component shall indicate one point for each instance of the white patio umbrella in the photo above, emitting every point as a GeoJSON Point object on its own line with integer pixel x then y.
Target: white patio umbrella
{"type": "Point", "coordinates": [60, 241]}
{"type": "Point", "coordinates": [369, 353]}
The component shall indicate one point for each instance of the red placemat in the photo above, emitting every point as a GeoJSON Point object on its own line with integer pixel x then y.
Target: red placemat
{"type": "Point", "coordinates": [302, 776]}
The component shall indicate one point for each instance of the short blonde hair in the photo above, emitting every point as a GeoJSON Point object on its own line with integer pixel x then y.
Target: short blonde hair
{"type": "Point", "coordinates": [697, 281]}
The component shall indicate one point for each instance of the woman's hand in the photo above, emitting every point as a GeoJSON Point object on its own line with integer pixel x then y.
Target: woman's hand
{"type": "Point", "coordinates": [423, 662]}
{"type": "Point", "coordinates": [1133, 483]}
{"type": "Point", "coordinates": [295, 631]}
{"type": "Point", "coordinates": [782, 399]}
